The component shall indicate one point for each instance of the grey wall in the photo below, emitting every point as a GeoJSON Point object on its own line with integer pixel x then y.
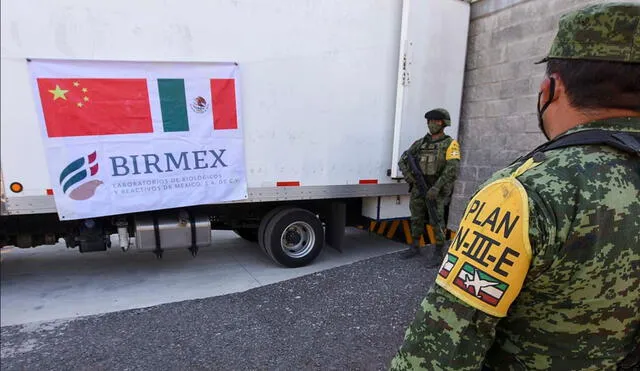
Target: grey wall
{"type": "Point", "coordinates": [498, 120]}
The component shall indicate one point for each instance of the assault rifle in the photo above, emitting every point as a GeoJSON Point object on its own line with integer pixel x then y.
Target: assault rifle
{"type": "Point", "coordinates": [423, 187]}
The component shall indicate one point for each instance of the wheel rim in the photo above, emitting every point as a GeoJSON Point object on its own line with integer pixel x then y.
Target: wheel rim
{"type": "Point", "coordinates": [297, 240]}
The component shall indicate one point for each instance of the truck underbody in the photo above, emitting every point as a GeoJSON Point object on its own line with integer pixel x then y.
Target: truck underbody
{"type": "Point", "coordinates": [291, 232]}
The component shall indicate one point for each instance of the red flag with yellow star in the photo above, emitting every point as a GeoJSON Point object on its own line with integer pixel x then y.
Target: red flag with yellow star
{"type": "Point", "coordinates": [81, 107]}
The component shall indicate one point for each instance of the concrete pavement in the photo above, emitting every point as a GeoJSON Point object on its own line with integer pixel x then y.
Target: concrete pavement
{"type": "Point", "coordinates": [53, 283]}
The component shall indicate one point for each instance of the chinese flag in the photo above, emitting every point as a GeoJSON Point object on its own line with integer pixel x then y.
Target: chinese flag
{"type": "Point", "coordinates": [81, 107]}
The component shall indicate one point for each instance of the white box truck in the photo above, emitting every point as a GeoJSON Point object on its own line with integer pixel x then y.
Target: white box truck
{"type": "Point", "coordinates": [329, 94]}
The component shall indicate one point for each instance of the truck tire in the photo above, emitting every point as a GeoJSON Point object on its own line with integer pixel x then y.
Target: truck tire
{"type": "Point", "coordinates": [294, 237]}
{"type": "Point", "coordinates": [263, 225]}
{"type": "Point", "coordinates": [249, 234]}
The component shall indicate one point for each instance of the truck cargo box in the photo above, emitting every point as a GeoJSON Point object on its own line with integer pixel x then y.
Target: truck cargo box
{"type": "Point", "coordinates": [331, 92]}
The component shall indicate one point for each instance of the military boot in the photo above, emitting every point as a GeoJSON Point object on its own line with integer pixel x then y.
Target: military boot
{"type": "Point", "coordinates": [412, 251]}
{"type": "Point", "coordinates": [436, 257]}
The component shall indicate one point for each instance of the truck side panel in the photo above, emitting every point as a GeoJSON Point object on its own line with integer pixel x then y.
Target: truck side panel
{"type": "Point", "coordinates": [318, 79]}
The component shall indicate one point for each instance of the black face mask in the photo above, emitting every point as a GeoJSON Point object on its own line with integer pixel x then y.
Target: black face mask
{"type": "Point", "coordinates": [545, 106]}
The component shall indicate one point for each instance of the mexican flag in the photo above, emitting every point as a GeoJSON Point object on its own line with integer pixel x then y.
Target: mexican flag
{"type": "Point", "coordinates": [75, 107]}
{"type": "Point", "coordinates": [480, 284]}
{"type": "Point", "coordinates": [447, 265]}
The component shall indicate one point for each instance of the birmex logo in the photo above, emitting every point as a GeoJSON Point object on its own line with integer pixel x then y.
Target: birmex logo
{"type": "Point", "coordinates": [76, 178]}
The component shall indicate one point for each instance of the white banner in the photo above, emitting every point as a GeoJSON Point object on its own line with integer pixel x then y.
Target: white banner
{"type": "Point", "coordinates": [124, 137]}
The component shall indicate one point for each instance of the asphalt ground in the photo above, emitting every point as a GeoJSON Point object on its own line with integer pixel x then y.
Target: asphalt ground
{"type": "Point", "coordinates": [352, 317]}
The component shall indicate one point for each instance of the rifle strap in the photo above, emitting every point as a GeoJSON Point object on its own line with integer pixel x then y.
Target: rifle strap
{"type": "Point", "coordinates": [624, 141]}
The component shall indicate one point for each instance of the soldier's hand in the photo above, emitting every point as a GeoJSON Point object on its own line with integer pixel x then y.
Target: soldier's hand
{"type": "Point", "coordinates": [432, 194]}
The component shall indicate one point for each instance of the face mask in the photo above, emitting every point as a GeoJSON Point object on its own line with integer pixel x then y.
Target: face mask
{"type": "Point", "coordinates": [434, 128]}
{"type": "Point", "coordinates": [546, 105]}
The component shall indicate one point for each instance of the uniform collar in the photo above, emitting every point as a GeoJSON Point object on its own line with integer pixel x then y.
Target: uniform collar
{"type": "Point", "coordinates": [429, 139]}
{"type": "Point", "coordinates": [626, 123]}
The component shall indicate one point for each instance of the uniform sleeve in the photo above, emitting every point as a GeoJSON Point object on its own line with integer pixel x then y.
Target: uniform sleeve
{"type": "Point", "coordinates": [447, 333]}
{"type": "Point", "coordinates": [451, 167]}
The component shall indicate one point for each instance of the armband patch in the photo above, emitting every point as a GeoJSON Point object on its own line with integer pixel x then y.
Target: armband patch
{"type": "Point", "coordinates": [453, 151]}
{"type": "Point", "coordinates": [489, 258]}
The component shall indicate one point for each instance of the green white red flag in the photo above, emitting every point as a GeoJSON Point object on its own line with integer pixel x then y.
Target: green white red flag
{"type": "Point", "coordinates": [480, 284]}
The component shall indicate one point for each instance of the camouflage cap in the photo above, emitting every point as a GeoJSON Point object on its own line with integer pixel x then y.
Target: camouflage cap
{"type": "Point", "coordinates": [605, 32]}
{"type": "Point", "coordinates": [439, 114]}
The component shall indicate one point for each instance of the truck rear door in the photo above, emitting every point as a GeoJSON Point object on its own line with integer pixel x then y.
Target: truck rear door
{"type": "Point", "coordinates": [431, 70]}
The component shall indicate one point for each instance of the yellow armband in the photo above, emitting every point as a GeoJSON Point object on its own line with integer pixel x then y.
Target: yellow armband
{"type": "Point", "coordinates": [453, 151]}
{"type": "Point", "coordinates": [489, 258]}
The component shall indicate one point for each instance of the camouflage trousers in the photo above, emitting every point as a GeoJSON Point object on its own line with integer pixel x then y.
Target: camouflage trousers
{"type": "Point", "coordinates": [420, 216]}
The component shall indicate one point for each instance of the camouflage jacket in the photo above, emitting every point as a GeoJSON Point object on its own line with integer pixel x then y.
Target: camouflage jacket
{"type": "Point", "coordinates": [575, 305]}
{"type": "Point", "coordinates": [438, 159]}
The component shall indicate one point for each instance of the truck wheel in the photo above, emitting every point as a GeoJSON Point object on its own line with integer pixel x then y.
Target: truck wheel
{"type": "Point", "coordinates": [294, 237]}
{"type": "Point", "coordinates": [263, 225]}
{"type": "Point", "coordinates": [249, 234]}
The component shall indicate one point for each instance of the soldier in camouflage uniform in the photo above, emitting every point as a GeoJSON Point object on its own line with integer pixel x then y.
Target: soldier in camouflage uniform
{"type": "Point", "coordinates": [544, 272]}
{"type": "Point", "coordinates": [438, 156]}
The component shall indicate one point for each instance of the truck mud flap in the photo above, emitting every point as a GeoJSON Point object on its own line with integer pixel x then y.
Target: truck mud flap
{"type": "Point", "coordinates": [336, 224]}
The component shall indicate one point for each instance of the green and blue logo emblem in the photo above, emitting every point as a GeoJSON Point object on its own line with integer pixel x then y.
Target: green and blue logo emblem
{"type": "Point", "coordinates": [78, 178]}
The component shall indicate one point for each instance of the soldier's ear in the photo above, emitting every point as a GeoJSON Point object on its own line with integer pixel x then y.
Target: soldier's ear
{"type": "Point", "coordinates": [552, 87]}
{"type": "Point", "coordinates": [560, 89]}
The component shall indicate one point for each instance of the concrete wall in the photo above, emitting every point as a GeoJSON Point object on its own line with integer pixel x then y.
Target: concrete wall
{"type": "Point", "coordinates": [498, 121]}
